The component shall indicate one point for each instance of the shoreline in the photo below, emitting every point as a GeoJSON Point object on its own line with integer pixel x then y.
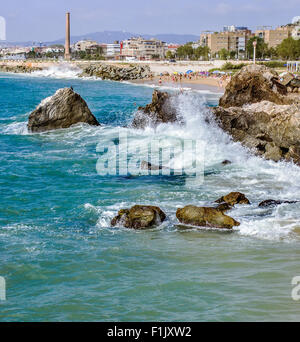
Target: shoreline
{"type": "Point", "coordinates": [210, 84]}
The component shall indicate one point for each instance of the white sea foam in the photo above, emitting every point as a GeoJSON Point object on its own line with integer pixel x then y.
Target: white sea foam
{"type": "Point", "coordinates": [61, 70]}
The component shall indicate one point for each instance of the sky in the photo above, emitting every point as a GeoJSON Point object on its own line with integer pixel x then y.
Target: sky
{"type": "Point", "coordinates": [40, 20]}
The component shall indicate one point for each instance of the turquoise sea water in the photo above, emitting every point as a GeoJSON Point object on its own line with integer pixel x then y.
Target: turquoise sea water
{"type": "Point", "coordinates": [63, 262]}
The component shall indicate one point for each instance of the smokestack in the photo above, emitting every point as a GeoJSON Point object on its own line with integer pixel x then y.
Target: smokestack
{"type": "Point", "coordinates": [67, 45]}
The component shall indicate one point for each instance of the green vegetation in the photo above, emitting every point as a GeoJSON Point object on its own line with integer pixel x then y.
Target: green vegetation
{"type": "Point", "coordinates": [89, 54]}
{"type": "Point", "coordinates": [188, 52]}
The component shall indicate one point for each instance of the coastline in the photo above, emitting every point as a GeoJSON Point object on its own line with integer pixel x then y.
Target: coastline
{"type": "Point", "coordinates": [210, 84]}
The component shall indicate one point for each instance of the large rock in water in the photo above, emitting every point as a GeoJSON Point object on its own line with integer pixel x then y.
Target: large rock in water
{"type": "Point", "coordinates": [62, 110]}
{"type": "Point", "coordinates": [205, 217]}
{"type": "Point", "coordinates": [139, 217]}
{"type": "Point", "coordinates": [161, 110]}
{"type": "Point", "coordinates": [254, 83]}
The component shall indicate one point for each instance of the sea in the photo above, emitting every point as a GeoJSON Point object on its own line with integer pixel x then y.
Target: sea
{"type": "Point", "coordinates": [61, 260]}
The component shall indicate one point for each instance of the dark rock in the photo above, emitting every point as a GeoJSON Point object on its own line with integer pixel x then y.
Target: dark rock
{"type": "Point", "coordinates": [160, 110]}
{"type": "Point", "coordinates": [62, 110]}
{"type": "Point", "coordinates": [224, 207]}
{"type": "Point", "coordinates": [205, 217]}
{"type": "Point", "coordinates": [254, 83]}
{"type": "Point", "coordinates": [234, 198]}
{"type": "Point", "coordinates": [226, 162]}
{"type": "Point", "coordinates": [148, 166]}
{"type": "Point", "coordinates": [272, 203]}
{"type": "Point", "coordinates": [139, 217]}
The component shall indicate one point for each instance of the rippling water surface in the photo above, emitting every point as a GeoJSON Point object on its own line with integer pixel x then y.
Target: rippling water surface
{"type": "Point", "coordinates": [62, 261]}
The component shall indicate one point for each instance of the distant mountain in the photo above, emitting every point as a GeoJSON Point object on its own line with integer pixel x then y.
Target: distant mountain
{"type": "Point", "coordinates": [111, 36]}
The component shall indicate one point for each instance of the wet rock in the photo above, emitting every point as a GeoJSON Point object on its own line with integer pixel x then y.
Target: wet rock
{"type": "Point", "coordinates": [62, 110]}
{"type": "Point", "coordinates": [226, 162]}
{"type": "Point", "coordinates": [254, 83]}
{"type": "Point", "coordinates": [234, 198]}
{"type": "Point", "coordinates": [148, 166]}
{"type": "Point", "coordinates": [205, 217]}
{"type": "Point", "coordinates": [139, 217]}
{"type": "Point", "coordinates": [160, 110]}
{"type": "Point", "coordinates": [269, 130]}
{"type": "Point", "coordinates": [224, 207]}
{"type": "Point", "coordinates": [272, 203]}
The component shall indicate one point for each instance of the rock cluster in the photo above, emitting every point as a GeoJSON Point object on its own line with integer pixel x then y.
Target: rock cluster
{"type": "Point", "coordinates": [162, 109]}
{"type": "Point", "coordinates": [18, 68]}
{"type": "Point", "coordinates": [257, 111]}
{"type": "Point", "coordinates": [62, 110]}
{"type": "Point", "coordinates": [117, 72]}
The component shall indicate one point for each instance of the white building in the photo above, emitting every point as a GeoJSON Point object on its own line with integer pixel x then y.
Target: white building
{"type": "Point", "coordinates": [83, 45]}
{"type": "Point", "coordinates": [141, 48]}
{"type": "Point", "coordinates": [113, 50]}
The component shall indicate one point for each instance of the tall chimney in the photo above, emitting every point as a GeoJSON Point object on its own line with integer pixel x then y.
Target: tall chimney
{"type": "Point", "coordinates": [67, 45]}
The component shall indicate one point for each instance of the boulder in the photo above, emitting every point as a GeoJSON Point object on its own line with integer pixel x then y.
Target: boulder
{"type": "Point", "coordinates": [139, 217]}
{"type": "Point", "coordinates": [272, 203]}
{"type": "Point", "coordinates": [160, 110]}
{"type": "Point", "coordinates": [268, 129]}
{"type": "Point", "coordinates": [205, 217]}
{"type": "Point", "coordinates": [62, 110]}
{"type": "Point", "coordinates": [234, 198]}
{"type": "Point", "coordinates": [254, 83]}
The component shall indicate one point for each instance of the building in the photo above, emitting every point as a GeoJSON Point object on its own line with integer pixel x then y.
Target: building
{"type": "Point", "coordinates": [84, 45]}
{"type": "Point", "coordinates": [232, 39]}
{"type": "Point", "coordinates": [142, 49]}
{"type": "Point", "coordinates": [112, 50]}
{"type": "Point", "coordinates": [274, 37]}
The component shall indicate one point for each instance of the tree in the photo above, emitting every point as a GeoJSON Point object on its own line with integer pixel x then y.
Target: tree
{"type": "Point", "coordinates": [289, 49]}
{"type": "Point", "coordinates": [223, 54]}
{"type": "Point", "coordinates": [261, 47]}
{"type": "Point", "coordinates": [169, 54]}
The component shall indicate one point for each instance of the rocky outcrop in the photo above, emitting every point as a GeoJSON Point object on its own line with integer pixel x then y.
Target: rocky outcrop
{"type": "Point", "coordinates": [117, 72]}
{"type": "Point", "coordinates": [256, 111]}
{"type": "Point", "coordinates": [205, 217]}
{"type": "Point", "coordinates": [139, 217]}
{"type": "Point", "coordinates": [254, 83]}
{"type": "Point", "coordinates": [62, 110]}
{"type": "Point", "coordinates": [270, 130]}
{"type": "Point", "coordinates": [161, 110]}
{"type": "Point", "coordinates": [19, 68]}
{"type": "Point", "coordinates": [234, 198]}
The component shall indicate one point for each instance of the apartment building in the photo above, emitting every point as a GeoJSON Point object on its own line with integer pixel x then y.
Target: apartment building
{"type": "Point", "coordinates": [275, 37]}
{"type": "Point", "coordinates": [232, 39]}
{"type": "Point", "coordinates": [84, 45]}
{"type": "Point", "coordinates": [141, 48]}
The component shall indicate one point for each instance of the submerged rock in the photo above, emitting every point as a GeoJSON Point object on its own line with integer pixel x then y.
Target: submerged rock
{"type": "Point", "coordinates": [160, 110]}
{"type": "Point", "coordinates": [62, 110]}
{"type": "Point", "coordinates": [226, 162]}
{"type": "Point", "coordinates": [234, 198]}
{"type": "Point", "coordinates": [254, 83]}
{"type": "Point", "coordinates": [224, 207]}
{"type": "Point", "coordinates": [205, 217]}
{"type": "Point", "coordinates": [272, 203]}
{"type": "Point", "coordinates": [139, 217]}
